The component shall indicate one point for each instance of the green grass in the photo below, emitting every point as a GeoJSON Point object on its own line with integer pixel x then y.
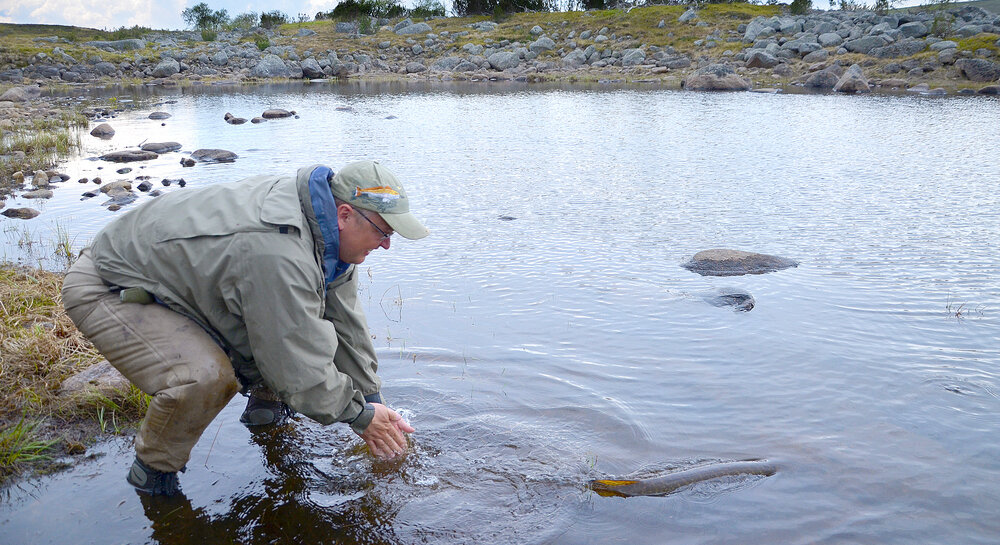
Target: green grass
{"type": "Point", "coordinates": [20, 446]}
{"type": "Point", "coordinates": [979, 41]}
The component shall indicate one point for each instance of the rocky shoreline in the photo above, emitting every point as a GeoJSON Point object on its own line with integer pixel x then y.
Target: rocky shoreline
{"type": "Point", "coordinates": [713, 50]}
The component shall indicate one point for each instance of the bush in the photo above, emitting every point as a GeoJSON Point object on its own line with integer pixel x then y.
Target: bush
{"type": "Point", "coordinates": [208, 35]}
{"type": "Point", "coordinates": [428, 8]}
{"type": "Point", "coordinates": [272, 19]}
{"type": "Point", "coordinates": [262, 42]}
{"type": "Point", "coordinates": [800, 7]}
{"type": "Point", "coordinates": [244, 21]}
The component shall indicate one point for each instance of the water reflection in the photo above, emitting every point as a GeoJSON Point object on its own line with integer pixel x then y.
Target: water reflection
{"type": "Point", "coordinates": [533, 354]}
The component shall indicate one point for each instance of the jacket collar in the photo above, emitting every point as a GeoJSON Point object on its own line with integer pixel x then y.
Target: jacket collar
{"type": "Point", "coordinates": [320, 210]}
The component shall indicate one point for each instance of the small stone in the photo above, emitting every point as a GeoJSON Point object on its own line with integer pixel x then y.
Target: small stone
{"type": "Point", "coordinates": [38, 194]}
{"type": "Point", "coordinates": [40, 179]}
{"type": "Point", "coordinates": [83, 181]}
{"type": "Point", "coordinates": [159, 115]}
{"type": "Point", "coordinates": [276, 113]}
{"type": "Point", "coordinates": [187, 162]}
{"type": "Point", "coordinates": [124, 170]}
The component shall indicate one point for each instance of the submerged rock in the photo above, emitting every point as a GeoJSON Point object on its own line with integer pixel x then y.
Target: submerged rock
{"type": "Point", "coordinates": [739, 299]}
{"type": "Point", "coordinates": [725, 262]}
{"type": "Point", "coordinates": [159, 115]}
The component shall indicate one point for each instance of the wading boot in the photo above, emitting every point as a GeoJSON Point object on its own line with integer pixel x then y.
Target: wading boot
{"type": "Point", "coordinates": [261, 411]}
{"type": "Point", "coordinates": [150, 481]}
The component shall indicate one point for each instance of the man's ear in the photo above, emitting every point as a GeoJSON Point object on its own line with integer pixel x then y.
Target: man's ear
{"type": "Point", "coordinates": [343, 212]}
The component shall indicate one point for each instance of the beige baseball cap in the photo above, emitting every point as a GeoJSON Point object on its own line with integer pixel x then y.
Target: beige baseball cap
{"type": "Point", "coordinates": [369, 185]}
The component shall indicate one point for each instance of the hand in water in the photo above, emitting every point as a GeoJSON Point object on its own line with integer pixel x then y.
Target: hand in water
{"type": "Point", "coordinates": [385, 434]}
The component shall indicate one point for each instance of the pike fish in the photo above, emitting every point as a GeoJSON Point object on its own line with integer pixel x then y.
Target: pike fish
{"type": "Point", "coordinates": [667, 484]}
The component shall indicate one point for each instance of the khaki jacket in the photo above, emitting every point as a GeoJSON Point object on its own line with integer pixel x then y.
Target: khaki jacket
{"type": "Point", "coordinates": [243, 260]}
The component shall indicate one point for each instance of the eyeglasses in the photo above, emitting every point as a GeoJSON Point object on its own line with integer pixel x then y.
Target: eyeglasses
{"type": "Point", "coordinates": [385, 236]}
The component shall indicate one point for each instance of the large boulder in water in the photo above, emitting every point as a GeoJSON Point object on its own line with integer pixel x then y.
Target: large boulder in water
{"type": "Point", "coordinates": [161, 147]}
{"type": "Point", "coordinates": [724, 262]}
{"type": "Point", "coordinates": [715, 77]}
{"type": "Point", "coordinates": [853, 81]}
{"type": "Point", "coordinates": [213, 156]}
{"type": "Point", "coordinates": [128, 156]}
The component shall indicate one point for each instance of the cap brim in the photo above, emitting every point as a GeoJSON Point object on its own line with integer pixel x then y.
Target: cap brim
{"type": "Point", "coordinates": [406, 224]}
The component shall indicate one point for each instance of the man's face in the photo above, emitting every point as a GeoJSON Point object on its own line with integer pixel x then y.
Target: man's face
{"type": "Point", "coordinates": [361, 232]}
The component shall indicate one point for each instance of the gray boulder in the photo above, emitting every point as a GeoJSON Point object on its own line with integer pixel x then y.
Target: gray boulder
{"type": "Point", "coordinates": [103, 131]}
{"type": "Point", "coordinates": [536, 30]}
{"type": "Point", "coordinates": [346, 27]}
{"type": "Point", "coordinates": [213, 156]}
{"type": "Point", "coordinates": [542, 44]}
{"type": "Point", "coordinates": [303, 32]}
{"type": "Point", "coordinates": [20, 213]}
{"type": "Point", "coordinates": [762, 59]}
{"type": "Point", "coordinates": [161, 147]}
{"type": "Point", "coordinates": [853, 81]}
{"type": "Point", "coordinates": [715, 77]}
{"type": "Point", "coordinates": [311, 68]}
{"type": "Point", "coordinates": [980, 70]}
{"type": "Point", "coordinates": [105, 68]}
{"type": "Point", "coordinates": [119, 45]}
{"type": "Point", "coordinates": [915, 29]}
{"type": "Point", "coordinates": [823, 79]}
{"type": "Point", "coordinates": [633, 57]}
{"type": "Point", "coordinates": [159, 115]}
{"type": "Point", "coordinates": [473, 49]}
{"type": "Point", "coordinates": [271, 66]}
{"type": "Point", "coordinates": [416, 28]}
{"type": "Point", "coordinates": [466, 66]}
{"type": "Point", "coordinates": [865, 44]}
{"type": "Point", "coordinates": [38, 194]}
{"type": "Point", "coordinates": [829, 39]}
{"type": "Point", "coordinates": [402, 24]}
{"type": "Point", "coordinates": [21, 94]}
{"type": "Point", "coordinates": [503, 60]}
{"type": "Point", "coordinates": [689, 15]}
{"type": "Point", "coordinates": [166, 68]}
{"type": "Point", "coordinates": [819, 55]}
{"type": "Point", "coordinates": [903, 48]}
{"type": "Point", "coordinates": [128, 156]}
{"type": "Point", "coordinates": [220, 59]}
{"type": "Point", "coordinates": [415, 67]}
{"type": "Point", "coordinates": [446, 64]}
{"type": "Point", "coordinates": [725, 262]}
{"type": "Point", "coordinates": [574, 59]}
{"type": "Point", "coordinates": [942, 45]}
{"type": "Point", "coordinates": [755, 28]}
{"type": "Point", "coordinates": [276, 113]}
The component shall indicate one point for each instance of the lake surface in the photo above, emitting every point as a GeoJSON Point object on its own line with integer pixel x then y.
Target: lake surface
{"type": "Point", "coordinates": [536, 353]}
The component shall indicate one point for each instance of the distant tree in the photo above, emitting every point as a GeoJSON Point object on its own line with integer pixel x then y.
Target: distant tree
{"type": "Point", "coordinates": [800, 7]}
{"type": "Point", "coordinates": [484, 7]}
{"type": "Point", "coordinates": [201, 16]}
{"type": "Point", "coordinates": [272, 19]}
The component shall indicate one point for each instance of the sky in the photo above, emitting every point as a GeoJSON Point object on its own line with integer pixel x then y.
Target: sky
{"type": "Point", "coordinates": [157, 14]}
{"type": "Point", "coordinates": [166, 14]}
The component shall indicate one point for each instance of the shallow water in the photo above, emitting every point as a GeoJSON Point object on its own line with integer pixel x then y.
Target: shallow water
{"type": "Point", "coordinates": [533, 354]}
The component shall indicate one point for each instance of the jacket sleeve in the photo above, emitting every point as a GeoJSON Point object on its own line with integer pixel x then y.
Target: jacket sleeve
{"type": "Point", "coordinates": [293, 346]}
{"type": "Point", "coordinates": [355, 353]}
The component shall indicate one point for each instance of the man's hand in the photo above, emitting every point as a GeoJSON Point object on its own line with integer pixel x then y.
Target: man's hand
{"type": "Point", "coordinates": [384, 435]}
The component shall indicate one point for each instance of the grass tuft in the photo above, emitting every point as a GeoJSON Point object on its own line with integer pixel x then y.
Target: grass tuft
{"type": "Point", "coordinates": [20, 445]}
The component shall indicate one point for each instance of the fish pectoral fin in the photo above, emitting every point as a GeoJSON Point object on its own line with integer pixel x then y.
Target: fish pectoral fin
{"type": "Point", "coordinates": [613, 483]}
